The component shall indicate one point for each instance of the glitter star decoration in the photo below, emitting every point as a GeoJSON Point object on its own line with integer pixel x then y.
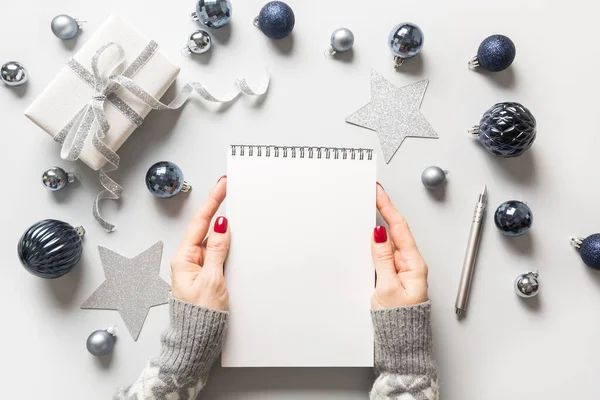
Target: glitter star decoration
{"type": "Point", "coordinates": [394, 114]}
{"type": "Point", "coordinates": [131, 287]}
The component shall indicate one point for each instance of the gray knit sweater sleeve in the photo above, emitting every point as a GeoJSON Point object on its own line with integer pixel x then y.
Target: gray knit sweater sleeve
{"type": "Point", "coordinates": [404, 362]}
{"type": "Point", "coordinates": [189, 348]}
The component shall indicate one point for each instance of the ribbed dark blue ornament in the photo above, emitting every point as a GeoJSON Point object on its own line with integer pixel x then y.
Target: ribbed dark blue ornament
{"type": "Point", "coordinates": [496, 53]}
{"type": "Point", "coordinates": [590, 251]}
{"type": "Point", "coordinates": [513, 218]}
{"type": "Point", "coordinates": [276, 20]}
{"type": "Point", "coordinates": [50, 248]}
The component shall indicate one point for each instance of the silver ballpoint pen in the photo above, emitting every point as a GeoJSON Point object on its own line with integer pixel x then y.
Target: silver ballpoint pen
{"type": "Point", "coordinates": [466, 278]}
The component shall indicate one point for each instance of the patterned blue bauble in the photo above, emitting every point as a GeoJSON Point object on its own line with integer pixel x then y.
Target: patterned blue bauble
{"type": "Point", "coordinates": [495, 53]}
{"type": "Point", "coordinates": [507, 129]}
{"type": "Point", "coordinates": [164, 179]}
{"type": "Point", "coordinates": [589, 250]}
{"type": "Point", "coordinates": [513, 218]}
{"type": "Point", "coordinates": [405, 41]}
{"type": "Point", "coordinates": [213, 13]}
{"type": "Point", "coordinates": [276, 20]}
{"type": "Point", "coordinates": [50, 248]}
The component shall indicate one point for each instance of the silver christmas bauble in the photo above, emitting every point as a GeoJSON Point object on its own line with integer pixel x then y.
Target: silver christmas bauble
{"type": "Point", "coordinates": [405, 41]}
{"type": "Point", "coordinates": [342, 40]}
{"type": "Point", "coordinates": [65, 27]}
{"type": "Point", "coordinates": [13, 73]}
{"type": "Point", "coordinates": [199, 42]}
{"type": "Point", "coordinates": [433, 177]}
{"type": "Point", "coordinates": [101, 342]}
{"type": "Point", "coordinates": [527, 285]}
{"type": "Point", "coordinates": [56, 178]}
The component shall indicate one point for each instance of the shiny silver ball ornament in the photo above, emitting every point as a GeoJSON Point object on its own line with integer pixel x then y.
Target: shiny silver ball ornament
{"type": "Point", "coordinates": [199, 42]}
{"type": "Point", "coordinates": [102, 342]}
{"type": "Point", "coordinates": [405, 41]}
{"type": "Point", "coordinates": [342, 40]}
{"type": "Point", "coordinates": [433, 177]}
{"type": "Point", "coordinates": [527, 285]}
{"type": "Point", "coordinates": [65, 27]}
{"type": "Point", "coordinates": [589, 250]}
{"type": "Point", "coordinates": [13, 73]}
{"type": "Point", "coordinates": [56, 178]}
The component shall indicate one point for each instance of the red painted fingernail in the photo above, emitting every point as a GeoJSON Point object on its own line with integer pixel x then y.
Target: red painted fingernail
{"type": "Point", "coordinates": [221, 225]}
{"type": "Point", "coordinates": [224, 176]}
{"type": "Point", "coordinates": [380, 234]}
{"type": "Point", "coordinates": [381, 186]}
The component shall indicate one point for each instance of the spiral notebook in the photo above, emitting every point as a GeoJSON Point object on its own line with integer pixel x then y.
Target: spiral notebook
{"type": "Point", "coordinates": [299, 271]}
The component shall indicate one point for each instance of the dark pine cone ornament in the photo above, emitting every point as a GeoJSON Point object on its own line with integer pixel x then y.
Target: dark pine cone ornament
{"type": "Point", "coordinates": [506, 130]}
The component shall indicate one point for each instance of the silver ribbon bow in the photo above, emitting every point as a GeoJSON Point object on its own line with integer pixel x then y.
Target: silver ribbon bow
{"type": "Point", "coordinates": [92, 117]}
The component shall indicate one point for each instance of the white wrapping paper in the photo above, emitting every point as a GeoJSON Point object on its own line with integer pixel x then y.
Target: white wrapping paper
{"type": "Point", "coordinates": [67, 93]}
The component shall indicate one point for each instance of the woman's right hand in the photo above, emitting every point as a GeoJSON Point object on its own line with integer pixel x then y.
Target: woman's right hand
{"type": "Point", "coordinates": [400, 268]}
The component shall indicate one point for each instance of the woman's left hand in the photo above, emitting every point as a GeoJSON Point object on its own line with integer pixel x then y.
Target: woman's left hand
{"type": "Point", "coordinates": [400, 268]}
{"type": "Point", "coordinates": [197, 266]}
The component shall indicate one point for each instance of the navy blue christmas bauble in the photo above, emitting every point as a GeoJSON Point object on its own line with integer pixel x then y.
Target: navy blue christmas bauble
{"type": "Point", "coordinates": [165, 179]}
{"type": "Point", "coordinates": [50, 248]}
{"type": "Point", "coordinates": [589, 249]}
{"type": "Point", "coordinates": [495, 53]}
{"type": "Point", "coordinates": [507, 129]}
{"type": "Point", "coordinates": [276, 20]}
{"type": "Point", "coordinates": [513, 218]}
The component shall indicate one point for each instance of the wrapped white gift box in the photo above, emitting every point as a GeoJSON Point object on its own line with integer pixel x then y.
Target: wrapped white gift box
{"type": "Point", "coordinates": [65, 96]}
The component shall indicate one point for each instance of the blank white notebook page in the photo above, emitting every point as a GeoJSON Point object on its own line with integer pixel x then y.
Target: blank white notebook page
{"type": "Point", "coordinates": [299, 271]}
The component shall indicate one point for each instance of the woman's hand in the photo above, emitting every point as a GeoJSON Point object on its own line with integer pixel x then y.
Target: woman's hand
{"type": "Point", "coordinates": [400, 268]}
{"type": "Point", "coordinates": [197, 266]}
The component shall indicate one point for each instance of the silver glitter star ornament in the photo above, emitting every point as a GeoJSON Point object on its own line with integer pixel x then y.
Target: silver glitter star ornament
{"type": "Point", "coordinates": [394, 113]}
{"type": "Point", "coordinates": [131, 287]}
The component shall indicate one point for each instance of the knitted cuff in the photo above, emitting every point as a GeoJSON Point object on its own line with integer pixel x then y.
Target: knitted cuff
{"type": "Point", "coordinates": [193, 341]}
{"type": "Point", "coordinates": [403, 343]}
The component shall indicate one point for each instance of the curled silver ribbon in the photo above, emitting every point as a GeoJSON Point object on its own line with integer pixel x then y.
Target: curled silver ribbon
{"type": "Point", "coordinates": [93, 117]}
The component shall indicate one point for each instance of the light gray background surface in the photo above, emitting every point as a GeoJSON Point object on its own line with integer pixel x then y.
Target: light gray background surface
{"type": "Point", "coordinates": [506, 348]}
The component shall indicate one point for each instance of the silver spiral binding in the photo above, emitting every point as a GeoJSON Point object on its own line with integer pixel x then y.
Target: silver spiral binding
{"type": "Point", "coordinates": [327, 153]}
